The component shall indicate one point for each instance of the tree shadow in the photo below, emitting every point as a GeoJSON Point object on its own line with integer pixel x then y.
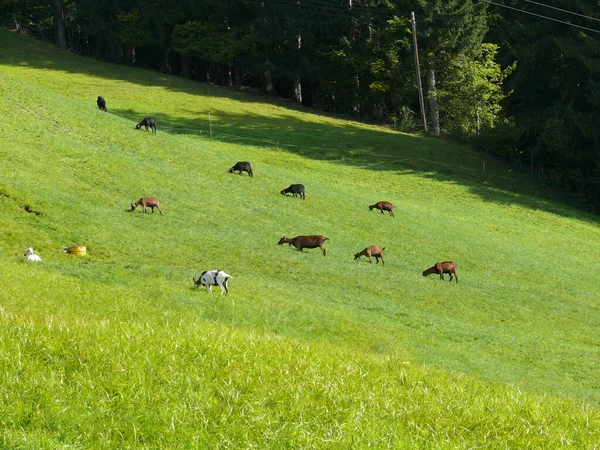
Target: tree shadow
{"type": "Point", "coordinates": [295, 129]}
{"type": "Point", "coordinates": [373, 149]}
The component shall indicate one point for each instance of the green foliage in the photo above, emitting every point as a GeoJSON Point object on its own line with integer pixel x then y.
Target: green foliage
{"type": "Point", "coordinates": [117, 350]}
{"type": "Point", "coordinates": [211, 42]}
{"type": "Point", "coordinates": [554, 100]}
{"type": "Point", "coordinates": [452, 27]}
{"type": "Point", "coordinates": [132, 28]}
{"type": "Point", "coordinates": [471, 97]}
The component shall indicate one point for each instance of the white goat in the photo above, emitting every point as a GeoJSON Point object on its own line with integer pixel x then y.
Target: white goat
{"type": "Point", "coordinates": [210, 278]}
{"type": "Point", "coordinates": [32, 256]}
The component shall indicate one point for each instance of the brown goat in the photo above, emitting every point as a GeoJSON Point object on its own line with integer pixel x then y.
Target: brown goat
{"type": "Point", "coordinates": [373, 250]}
{"type": "Point", "coordinates": [441, 268]}
{"type": "Point", "coordinates": [301, 242]}
{"type": "Point", "coordinates": [383, 206]}
{"type": "Point", "coordinates": [150, 202]}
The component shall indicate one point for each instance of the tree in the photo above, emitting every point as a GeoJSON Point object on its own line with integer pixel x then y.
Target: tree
{"type": "Point", "coordinates": [59, 23]}
{"type": "Point", "coordinates": [452, 28]}
{"type": "Point", "coordinates": [556, 99]}
{"type": "Point", "coordinates": [472, 93]}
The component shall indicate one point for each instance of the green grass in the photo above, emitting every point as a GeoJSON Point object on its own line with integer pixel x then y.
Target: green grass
{"type": "Point", "coordinates": [117, 350]}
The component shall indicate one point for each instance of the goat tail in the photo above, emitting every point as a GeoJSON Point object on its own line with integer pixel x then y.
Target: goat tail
{"type": "Point", "coordinates": [325, 239]}
{"type": "Point", "coordinates": [383, 249]}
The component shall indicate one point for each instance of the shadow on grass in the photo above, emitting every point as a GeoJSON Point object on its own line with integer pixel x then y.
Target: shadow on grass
{"type": "Point", "coordinates": [380, 151]}
{"type": "Point", "coordinates": [346, 142]}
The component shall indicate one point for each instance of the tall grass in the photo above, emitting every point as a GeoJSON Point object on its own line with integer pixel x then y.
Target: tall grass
{"type": "Point", "coordinates": [117, 350]}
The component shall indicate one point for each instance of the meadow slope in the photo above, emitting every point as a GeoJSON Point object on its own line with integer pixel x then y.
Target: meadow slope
{"type": "Point", "coordinates": [117, 350]}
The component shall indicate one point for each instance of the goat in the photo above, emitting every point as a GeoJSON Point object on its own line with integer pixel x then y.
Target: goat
{"type": "Point", "coordinates": [242, 166]}
{"type": "Point", "coordinates": [295, 189]}
{"type": "Point", "coordinates": [151, 202]}
{"type": "Point", "coordinates": [301, 242]}
{"type": "Point", "coordinates": [210, 278]}
{"type": "Point", "coordinates": [32, 256]}
{"type": "Point", "coordinates": [441, 268]}
{"type": "Point", "coordinates": [148, 122]}
{"type": "Point", "coordinates": [373, 250]}
{"type": "Point", "coordinates": [101, 103]}
{"type": "Point", "coordinates": [383, 206]}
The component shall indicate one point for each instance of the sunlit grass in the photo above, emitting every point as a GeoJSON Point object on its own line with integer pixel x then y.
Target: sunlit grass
{"type": "Point", "coordinates": [117, 350]}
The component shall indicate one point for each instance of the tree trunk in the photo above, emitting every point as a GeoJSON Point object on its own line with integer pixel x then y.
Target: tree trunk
{"type": "Point", "coordinates": [167, 66]}
{"type": "Point", "coordinates": [297, 83]}
{"type": "Point", "coordinates": [59, 23]}
{"type": "Point", "coordinates": [99, 47]}
{"type": "Point", "coordinates": [185, 72]}
{"type": "Point", "coordinates": [268, 79]}
{"type": "Point", "coordinates": [298, 90]}
{"type": "Point", "coordinates": [434, 112]}
{"type": "Point", "coordinates": [356, 95]}
{"type": "Point", "coordinates": [129, 51]}
{"type": "Point", "coordinates": [237, 79]}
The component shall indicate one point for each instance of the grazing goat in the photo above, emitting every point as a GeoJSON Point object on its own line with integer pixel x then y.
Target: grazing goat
{"type": "Point", "coordinates": [32, 256]}
{"type": "Point", "coordinates": [101, 103]}
{"type": "Point", "coordinates": [242, 166]}
{"type": "Point", "coordinates": [383, 206]}
{"type": "Point", "coordinates": [147, 122]}
{"type": "Point", "coordinates": [295, 189]}
{"type": "Point", "coordinates": [210, 278]}
{"type": "Point", "coordinates": [147, 202]}
{"type": "Point", "coordinates": [373, 250]}
{"type": "Point", "coordinates": [301, 242]}
{"type": "Point", "coordinates": [441, 268]}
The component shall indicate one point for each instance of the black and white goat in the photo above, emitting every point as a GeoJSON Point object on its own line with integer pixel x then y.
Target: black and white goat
{"type": "Point", "coordinates": [210, 278]}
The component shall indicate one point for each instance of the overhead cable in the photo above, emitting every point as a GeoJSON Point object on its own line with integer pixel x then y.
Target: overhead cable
{"type": "Point", "coordinates": [563, 10]}
{"type": "Point", "coordinates": [543, 17]}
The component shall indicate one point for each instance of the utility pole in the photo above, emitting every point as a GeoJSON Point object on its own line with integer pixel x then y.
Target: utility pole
{"type": "Point", "coordinates": [420, 85]}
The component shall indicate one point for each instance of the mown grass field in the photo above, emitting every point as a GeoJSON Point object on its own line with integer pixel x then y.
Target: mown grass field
{"type": "Point", "coordinates": [117, 350]}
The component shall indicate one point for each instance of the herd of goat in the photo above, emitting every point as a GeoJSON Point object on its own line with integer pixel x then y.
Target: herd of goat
{"type": "Point", "coordinates": [221, 279]}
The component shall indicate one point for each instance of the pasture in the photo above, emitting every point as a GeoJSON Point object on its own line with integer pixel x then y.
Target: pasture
{"type": "Point", "coordinates": [118, 350]}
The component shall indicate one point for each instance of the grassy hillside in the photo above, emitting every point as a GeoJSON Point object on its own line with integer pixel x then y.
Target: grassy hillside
{"type": "Point", "coordinates": [116, 349]}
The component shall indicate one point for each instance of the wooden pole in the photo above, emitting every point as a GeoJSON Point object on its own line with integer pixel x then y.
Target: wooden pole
{"type": "Point", "coordinates": [420, 85]}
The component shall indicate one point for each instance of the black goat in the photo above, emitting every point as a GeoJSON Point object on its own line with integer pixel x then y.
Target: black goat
{"type": "Point", "coordinates": [148, 122]}
{"type": "Point", "coordinates": [101, 103]}
{"type": "Point", "coordinates": [295, 189]}
{"type": "Point", "coordinates": [242, 166]}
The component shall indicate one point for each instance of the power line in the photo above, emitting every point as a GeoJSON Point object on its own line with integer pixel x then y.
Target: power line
{"type": "Point", "coordinates": [563, 10]}
{"type": "Point", "coordinates": [327, 8]}
{"type": "Point", "coordinates": [543, 17]}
